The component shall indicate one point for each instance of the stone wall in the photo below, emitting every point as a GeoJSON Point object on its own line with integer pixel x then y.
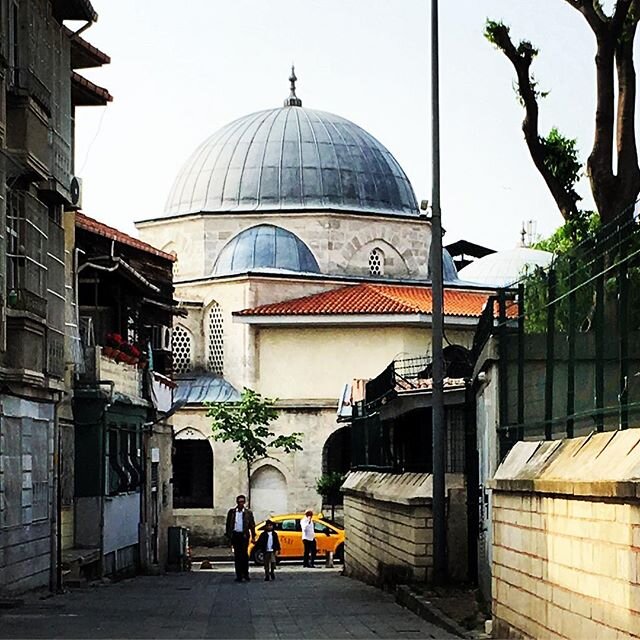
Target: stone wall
{"type": "Point", "coordinates": [566, 539]}
{"type": "Point", "coordinates": [340, 241]}
{"type": "Point", "coordinates": [389, 524]}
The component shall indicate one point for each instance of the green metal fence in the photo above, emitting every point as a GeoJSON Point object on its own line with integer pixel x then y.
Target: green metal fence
{"type": "Point", "coordinates": [569, 340]}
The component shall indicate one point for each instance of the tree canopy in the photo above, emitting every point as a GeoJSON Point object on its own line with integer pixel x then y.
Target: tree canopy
{"type": "Point", "coordinates": [247, 424]}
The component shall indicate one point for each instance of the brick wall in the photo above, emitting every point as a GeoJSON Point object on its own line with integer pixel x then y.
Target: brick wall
{"type": "Point", "coordinates": [566, 551]}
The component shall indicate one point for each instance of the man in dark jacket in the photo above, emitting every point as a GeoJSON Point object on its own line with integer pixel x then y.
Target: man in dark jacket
{"type": "Point", "coordinates": [241, 525]}
{"type": "Point", "coordinates": [269, 545]}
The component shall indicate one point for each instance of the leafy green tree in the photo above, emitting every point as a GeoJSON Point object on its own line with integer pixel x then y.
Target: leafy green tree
{"type": "Point", "coordinates": [612, 166]}
{"type": "Point", "coordinates": [247, 424]}
{"type": "Point", "coordinates": [328, 486]}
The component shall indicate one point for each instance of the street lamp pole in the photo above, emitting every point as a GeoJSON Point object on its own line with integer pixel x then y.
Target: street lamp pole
{"type": "Point", "coordinates": [438, 440]}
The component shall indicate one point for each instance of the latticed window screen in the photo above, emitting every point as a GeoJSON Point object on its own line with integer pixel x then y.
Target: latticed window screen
{"type": "Point", "coordinates": [376, 262]}
{"type": "Point", "coordinates": [181, 350]}
{"type": "Point", "coordinates": [215, 358]}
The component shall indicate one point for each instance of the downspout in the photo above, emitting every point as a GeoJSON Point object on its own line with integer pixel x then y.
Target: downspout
{"type": "Point", "coordinates": [55, 583]}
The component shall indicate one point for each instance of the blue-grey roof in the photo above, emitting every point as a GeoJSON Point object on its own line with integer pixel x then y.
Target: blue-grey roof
{"type": "Point", "coordinates": [449, 270]}
{"type": "Point", "coordinates": [265, 247]}
{"type": "Point", "coordinates": [203, 388]}
{"type": "Point", "coordinates": [291, 158]}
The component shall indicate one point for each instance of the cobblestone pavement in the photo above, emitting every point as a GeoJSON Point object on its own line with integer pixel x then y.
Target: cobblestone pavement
{"type": "Point", "coordinates": [300, 603]}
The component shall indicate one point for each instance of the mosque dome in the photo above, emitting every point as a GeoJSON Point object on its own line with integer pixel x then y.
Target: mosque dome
{"type": "Point", "coordinates": [504, 268]}
{"type": "Point", "coordinates": [449, 270]}
{"type": "Point", "coordinates": [265, 247]}
{"type": "Point", "coordinates": [291, 158]}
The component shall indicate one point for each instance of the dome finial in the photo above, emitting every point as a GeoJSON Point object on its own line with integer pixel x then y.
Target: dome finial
{"type": "Point", "coordinates": [293, 100]}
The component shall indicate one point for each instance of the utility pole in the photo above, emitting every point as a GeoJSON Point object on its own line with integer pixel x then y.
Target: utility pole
{"type": "Point", "coordinates": [438, 440]}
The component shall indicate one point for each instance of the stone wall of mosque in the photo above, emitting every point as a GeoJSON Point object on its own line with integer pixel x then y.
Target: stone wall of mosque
{"type": "Point", "coordinates": [566, 539]}
{"type": "Point", "coordinates": [283, 483]}
{"type": "Point", "coordinates": [341, 242]}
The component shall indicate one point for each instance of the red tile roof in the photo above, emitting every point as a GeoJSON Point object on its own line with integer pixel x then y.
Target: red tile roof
{"type": "Point", "coordinates": [101, 229]}
{"type": "Point", "coordinates": [84, 92]}
{"type": "Point", "coordinates": [375, 299]}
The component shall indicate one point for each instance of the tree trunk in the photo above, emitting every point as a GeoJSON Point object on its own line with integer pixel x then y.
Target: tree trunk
{"type": "Point", "coordinates": [249, 485]}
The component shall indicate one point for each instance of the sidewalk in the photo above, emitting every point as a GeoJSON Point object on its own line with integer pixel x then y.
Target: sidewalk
{"type": "Point", "coordinates": [301, 603]}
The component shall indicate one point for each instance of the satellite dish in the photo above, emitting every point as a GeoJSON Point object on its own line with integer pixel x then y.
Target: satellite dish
{"type": "Point", "coordinates": [74, 191]}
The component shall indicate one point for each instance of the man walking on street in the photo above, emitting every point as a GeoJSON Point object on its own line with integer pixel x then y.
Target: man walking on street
{"type": "Point", "coordinates": [241, 525]}
{"type": "Point", "coordinates": [308, 539]}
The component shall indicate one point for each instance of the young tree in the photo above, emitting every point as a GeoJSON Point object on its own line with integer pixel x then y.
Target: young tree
{"type": "Point", "coordinates": [247, 424]}
{"type": "Point", "coordinates": [328, 486]}
{"type": "Point", "coordinates": [614, 177]}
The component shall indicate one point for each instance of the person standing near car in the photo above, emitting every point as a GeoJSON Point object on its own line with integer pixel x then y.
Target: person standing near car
{"type": "Point", "coordinates": [308, 539]}
{"type": "Point", "coordinates": [269, 544]}
{"type": "Point", "coordinates": [240, 526]}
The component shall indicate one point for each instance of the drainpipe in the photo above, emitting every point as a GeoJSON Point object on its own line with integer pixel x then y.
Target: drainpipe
{"type": "Point", "coordinates": [55, 582]}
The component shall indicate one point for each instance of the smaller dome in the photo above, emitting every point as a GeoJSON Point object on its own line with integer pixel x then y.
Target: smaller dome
{"type": "Point", "coordinates": [449, 270]}
{"type": "Point", "coordinates": [504, 268]}
{"type": "Point", "coordinates": [265, 246]}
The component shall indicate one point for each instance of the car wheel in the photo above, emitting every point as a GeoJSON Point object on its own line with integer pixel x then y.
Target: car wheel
{"type": "Point", "coordinates": [339, 552]}
{"type": "Point", "coordinates": [258, 558]}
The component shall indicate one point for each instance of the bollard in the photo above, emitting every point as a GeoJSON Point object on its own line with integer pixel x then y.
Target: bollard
{"type": "Point", "coordinates": [329, 560]}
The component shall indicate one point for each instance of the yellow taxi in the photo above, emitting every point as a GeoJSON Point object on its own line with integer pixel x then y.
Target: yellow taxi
{"type": "Point", "coordinates": [329, 537]}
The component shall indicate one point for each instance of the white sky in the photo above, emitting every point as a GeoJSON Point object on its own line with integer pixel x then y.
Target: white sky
{"type": "Point", "coordinates": [181, 70]}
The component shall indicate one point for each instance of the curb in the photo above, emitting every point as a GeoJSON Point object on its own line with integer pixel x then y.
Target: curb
{"type": "Point", "coordinates": [427, 611]}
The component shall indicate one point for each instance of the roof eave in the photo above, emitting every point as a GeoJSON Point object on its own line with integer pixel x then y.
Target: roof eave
{"type": "Point", "coordinates": [352, 319]}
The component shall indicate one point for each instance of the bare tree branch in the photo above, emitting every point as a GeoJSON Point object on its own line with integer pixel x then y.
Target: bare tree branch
{"type": "Point", "coordinates": [593, 13]}
{"type": "Point", "coordinates": [521, 58]}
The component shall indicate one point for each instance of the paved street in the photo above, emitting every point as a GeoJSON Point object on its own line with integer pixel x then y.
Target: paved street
{"type": "Point", "coordinates": [301, 603]}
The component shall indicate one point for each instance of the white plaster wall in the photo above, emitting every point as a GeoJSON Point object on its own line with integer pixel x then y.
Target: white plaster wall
{"type": "Point", "coordinates": [315, 362]}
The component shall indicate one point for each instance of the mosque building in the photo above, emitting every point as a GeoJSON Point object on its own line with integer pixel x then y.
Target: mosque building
{"type": "Point", "coordinates": [302, 260]}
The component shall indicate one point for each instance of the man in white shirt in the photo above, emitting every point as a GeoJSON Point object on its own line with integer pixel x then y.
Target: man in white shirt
{"type": "Point", "coordinates": [308, 539]}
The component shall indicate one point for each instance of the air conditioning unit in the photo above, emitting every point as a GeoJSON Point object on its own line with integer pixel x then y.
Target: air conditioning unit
{"type": "Point", "coordinates": [87, 334]}
{"type": "Point", "coordinates": [161, 338]}
{"type": "Point", "coordinates": [75, 190]}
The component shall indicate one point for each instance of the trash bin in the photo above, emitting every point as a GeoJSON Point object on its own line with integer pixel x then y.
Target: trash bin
{"type": "Point", "coordinates": [179, 556]}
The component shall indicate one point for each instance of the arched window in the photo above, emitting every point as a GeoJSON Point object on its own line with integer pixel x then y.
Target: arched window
{"type": "Point", "coordinates": [215, 355]}
{"type": "Point", "coordinates": [181, 350]}
{"type": "Point", "coordinates": [192, 474]}
{"type": "Point", "coordinates": [376, 262]}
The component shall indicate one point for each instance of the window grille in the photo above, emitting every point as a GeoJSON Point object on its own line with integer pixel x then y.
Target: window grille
{"type": "Point", "coordinates": [181, 350]}
{"type": "Point", "coordinates": [27, 220]}
{"type": "Point", "coordinates": [376, 262]}
{"type": "Point", "coordinates": [215, 358]}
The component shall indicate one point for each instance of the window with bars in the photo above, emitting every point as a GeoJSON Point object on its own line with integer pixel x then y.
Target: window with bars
{"type": "Point", "coordinates": [215, 355]}
{"type": "Point", "coordinates": [27, 221]}
{"type": "Point", "coordinates": [181, 350]}
{"type": "Point", "coordinates": [376, 262]}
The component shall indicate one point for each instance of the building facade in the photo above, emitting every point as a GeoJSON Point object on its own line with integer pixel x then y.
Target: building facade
{"type": "Point", "coordinates": [39, 91]}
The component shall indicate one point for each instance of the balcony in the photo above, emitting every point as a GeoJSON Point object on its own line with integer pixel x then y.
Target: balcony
{"type": "Point", "coordinates": [126, 378]}
{"type": "Point", "coordinates": [28, 132]}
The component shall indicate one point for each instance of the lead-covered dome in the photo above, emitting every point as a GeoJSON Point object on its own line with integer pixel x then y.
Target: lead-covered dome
{"type": "Point", "coordinates": [291, 158]}
{"type": "Point", "coordinates": [265, 247]}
